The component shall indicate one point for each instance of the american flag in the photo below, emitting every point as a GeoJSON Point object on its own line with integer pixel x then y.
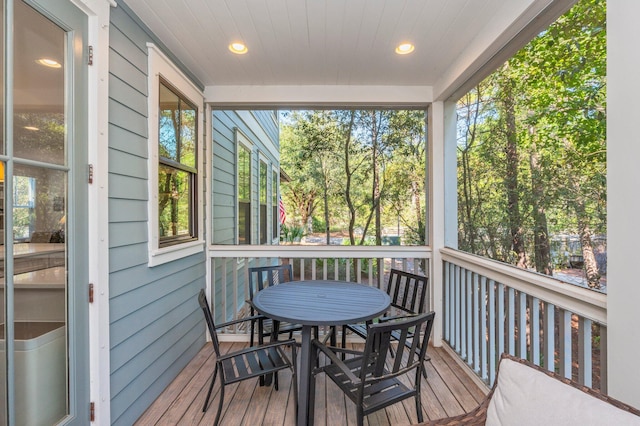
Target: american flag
{"type": "Point", "coordinates": [281, 212]}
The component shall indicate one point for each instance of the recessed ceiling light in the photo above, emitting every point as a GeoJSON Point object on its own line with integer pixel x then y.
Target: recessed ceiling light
{"type": "Point", "coordinates": [238, 48]}
{"type": "Point", "coordinates": [48, 63]}
{"type": "Point", "coordinates": [405, 48]}
{"type": "Point", "coordinates": [31, 128]}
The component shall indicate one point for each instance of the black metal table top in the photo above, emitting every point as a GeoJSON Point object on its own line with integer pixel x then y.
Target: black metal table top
{"type": "Point", "coordinates": [319, 302]}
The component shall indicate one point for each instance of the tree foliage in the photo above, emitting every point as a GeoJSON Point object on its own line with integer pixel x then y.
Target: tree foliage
{"type": "Point", "coordinates": [532, 147]}
{"type": "Point", "coordinates": [357, 171]}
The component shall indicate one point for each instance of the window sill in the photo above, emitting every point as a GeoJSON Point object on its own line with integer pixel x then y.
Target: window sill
{"type": "Point", "coordinates": [175, 252]}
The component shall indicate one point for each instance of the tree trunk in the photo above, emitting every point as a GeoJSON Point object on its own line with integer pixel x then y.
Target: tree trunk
{"type": "Point", "coordinates": [542, 250]}
{"type": "Point", "coordinates": [347, 188]}
{"type": "Point", "coordinates": [511, 175]}
{"type": "Point", "coordinates": [376, 178]}
{"type": "Point", "coordinates": [590, 265]}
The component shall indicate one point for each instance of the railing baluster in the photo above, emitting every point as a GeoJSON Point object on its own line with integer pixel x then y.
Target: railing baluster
{"type": "Point", "coordinates": [359, 271]}
{"type": "Point", "coordinates": [324, 269]}
{"type": "Point", "coordinates": [302, 269]}
{"type": "Point", "coordinates": [468, 292]}
{"type": "Point", "coordinates": [313, 269]}
{"type": "Point", "coordinates": [447, 301]}
{"type": "Point", "coordinates": [492, 332]}
{"type": "Point", "coordinates": [336, 274]}
{"type": "Point", "coordinates": [501, 319]}
{"type": "Point", "coordinates": [535, 330]}
{"type": "Point", "coordinates": [463, 314]}
{"type": "Point", "coordinates": [484, 329]}
{"type": "Point", "coordinates": [370, 271]}
{"type": "Point", "coordinates": [477, 338]}
{"type": "Point", "coordinates": [511, 325]}
{"type": "Point", "coordinates": [549, 336]}
{"type": "Point", "coordinates": [522, 324]}
{"type": "Point", "coordinates": [584, 352]}
{"type": "Point", "coordinates": [564, 350]}
{"type": "Point", "coordinates": [457, 315]}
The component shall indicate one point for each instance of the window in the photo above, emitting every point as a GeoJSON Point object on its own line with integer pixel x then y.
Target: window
{"type": "Point", "coordinates": [24, 202]}
{"type": "Point", "coordinates": [263, 202]}
{"type": "Point", "coordinates": [244, 194]}
{"type": "Point", "coordinates": [175, 159]}
{"type": "Point", "coordinates": [274, 204]}
{"type": "Point", "coordinates": [177, 170]}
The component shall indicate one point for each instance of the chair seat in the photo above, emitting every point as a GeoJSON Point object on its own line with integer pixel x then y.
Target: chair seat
{"type": "Point", "coordinates": [377, 395]}
{"type": "Point", "coordinates": [359, 329]}
{"type": "Point", "coordinates": [253, 363]}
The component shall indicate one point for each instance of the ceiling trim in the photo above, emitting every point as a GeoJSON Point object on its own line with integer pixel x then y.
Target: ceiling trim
{"type": "Point", "coordinates": [318, 96]}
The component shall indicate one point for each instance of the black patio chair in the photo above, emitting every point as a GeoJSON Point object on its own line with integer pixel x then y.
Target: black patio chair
{"type": "Point", "coordinates": [259, 278]}
{"type": "Point", "coordinates": [255, 361]}
{"type": "Point", "coordinates": [408, 293]}
{"type": "Point", "coordinates": [371, 379]}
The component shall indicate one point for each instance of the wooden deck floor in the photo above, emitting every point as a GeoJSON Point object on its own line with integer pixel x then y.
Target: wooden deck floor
{"type": "Point", "coordinates": [448, 391]}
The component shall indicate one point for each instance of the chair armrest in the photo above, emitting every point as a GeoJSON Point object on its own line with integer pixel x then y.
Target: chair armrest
{"type": "Point", "coordinates": [396, 317]}
{"type": "Point", "coordinates": [239, 320]}
{"type": "Point", "coordinates": [328, 351]}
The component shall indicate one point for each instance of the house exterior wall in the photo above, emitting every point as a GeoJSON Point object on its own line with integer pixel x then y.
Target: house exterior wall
{"type": "Point", "coordinates": [260, 129]}
{"type": "Point", "coordinates": [156, 325]}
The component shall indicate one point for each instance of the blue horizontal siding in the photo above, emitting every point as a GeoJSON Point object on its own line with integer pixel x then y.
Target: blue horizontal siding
{"type": "Point", "coordinates": [156, 325]}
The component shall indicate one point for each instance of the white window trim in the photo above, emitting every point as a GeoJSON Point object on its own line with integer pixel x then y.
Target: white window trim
{"type": "Point", "coordinates": [262, 159]}
{"type": "Point", "coordinates": [161, 66]}
{"type": "Point", "coordinates": [242, 139]}
{"type": "Point", "coordinates": [275, 239]}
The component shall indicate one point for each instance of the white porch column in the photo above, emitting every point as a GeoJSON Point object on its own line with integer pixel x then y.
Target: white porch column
{"type": "Point", "coordinates": [623, 176]}
{"type": "Point", "coordinates": [442, 198]}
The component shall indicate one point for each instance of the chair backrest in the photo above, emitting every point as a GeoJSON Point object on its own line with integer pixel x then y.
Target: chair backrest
{"type": "Point", "coordinates": [266, 276]}
{"type": "Point", "coordinates": [413, 337]}
{"type": "Point", "coordinates": [204, 304]}
{"type": "Point", "coordinates": [407, 291]}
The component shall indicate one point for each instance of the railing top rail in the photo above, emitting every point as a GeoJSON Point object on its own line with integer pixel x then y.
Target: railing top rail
{"type": "Point", "coordinates": [308, 251]}
{"type": "Point", "coordinates": [579, 300]}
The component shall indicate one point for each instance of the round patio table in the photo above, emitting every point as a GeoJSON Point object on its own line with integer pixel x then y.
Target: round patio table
{"type": "Point", "coordinates": [314, 303]}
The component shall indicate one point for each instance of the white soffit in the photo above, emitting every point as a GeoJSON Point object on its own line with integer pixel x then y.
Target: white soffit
{"type": "Point", "coordinates": [312, 44]}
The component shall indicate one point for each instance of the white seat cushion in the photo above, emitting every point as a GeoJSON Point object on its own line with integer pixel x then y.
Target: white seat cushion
{"type": "Point", "coordinates": [525, 396]}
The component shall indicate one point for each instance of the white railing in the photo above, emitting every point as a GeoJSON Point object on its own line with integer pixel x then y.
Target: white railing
{"type": "Point", "coordinates": [228, 270]}
{"type": "Point", "coordinates": [490, 308]}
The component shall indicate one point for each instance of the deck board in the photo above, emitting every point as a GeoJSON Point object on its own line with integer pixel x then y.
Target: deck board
{"type": "Point", "coordinates": [447, 391]}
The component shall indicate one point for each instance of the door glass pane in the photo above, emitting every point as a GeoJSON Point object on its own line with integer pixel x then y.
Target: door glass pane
{"type": "Point", "coordinates": [39, 204]}
{"type": "Point", "coordinates": [39, 122]}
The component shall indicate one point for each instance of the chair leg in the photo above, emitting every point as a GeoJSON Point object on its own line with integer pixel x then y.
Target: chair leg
{"type": "Point", "coordinates": [294, 378]}
{"type": "Point", "coordinates": [252, 331]}
{"type": "Point", "coordinates": [213, 380]}
{"type": "Point", "coordinates": [419, 408]}
{"type": "Point", "coordinates": [418, 401]}
{"type": "Point", "coordinates": [215, 422]}
{"type": "Point", "coordinates": [344, 340]}
{"type": "Point", "coordinates": [360, 416]}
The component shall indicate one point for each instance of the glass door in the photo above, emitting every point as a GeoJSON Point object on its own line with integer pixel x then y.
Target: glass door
{"type": "Point", "coordinates": [44, 337]}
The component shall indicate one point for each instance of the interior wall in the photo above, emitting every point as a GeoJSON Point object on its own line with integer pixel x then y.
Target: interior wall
{"type": "Point", "coordinates": [623, 152]}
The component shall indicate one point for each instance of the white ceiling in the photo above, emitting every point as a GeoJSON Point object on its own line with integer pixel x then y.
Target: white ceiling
{"type": "Point", "coordinates": [335, 42]}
